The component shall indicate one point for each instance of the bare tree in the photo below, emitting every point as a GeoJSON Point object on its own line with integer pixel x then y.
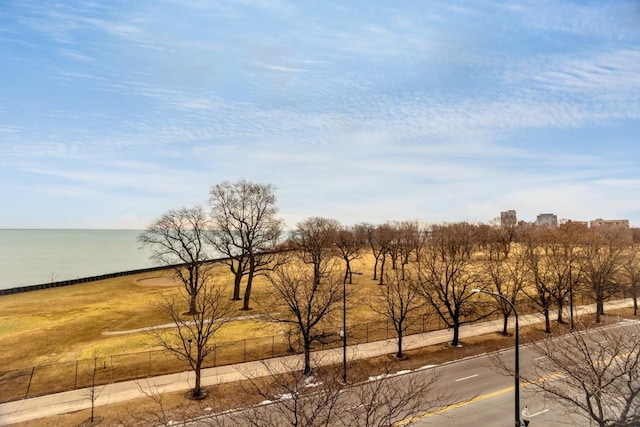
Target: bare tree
{"type": "Point", "coordinates": [601, 261]}
{"type": "Point", "coordinates": [377, 249]}
{"type": "Point", "coordinates": [504, 268]}
{"type": "Point", "coordinates": [349, 241]}
{"type": "Point", "coordinates": [315, 238]}
{"type": "Point", "coordinates": [245, 229]}
{"type": "Point", "coordinates": [388, 399]}
{"type": "Point", "coordinates": [400, 239]}
{"type": "Point", "coordinates": [447, 275]}
{"type": "Point", "coordinates": [398, 300]}
{"type": "Point", "coordinates": [594, 373]}
{"type": "Point", "coordinates": [293, 399]}
{"type": "Point", "coordinates": [541, 271]}
{"type": "Point", "coordinates": [299, 301]}
{"type": "Point", "coordinates": [93, 391]}
{"type": "Point", "coordinates": [410, 242]}
{"type": "Point", "coordinates": [384, 240]}
{"type": "Point", "coordinates": [178, 241]}
{"type": "Point", "coordinates": [631, 275]}
{"type": "Point", "coordinates": [561, 252]}
{"type": "Point", "coordinates": [160, 413]}
{"type": "Point", "coordinates": [192, 337]}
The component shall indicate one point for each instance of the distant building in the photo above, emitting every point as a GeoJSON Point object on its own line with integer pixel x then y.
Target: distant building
{"type": "Point", "coordinates": [609, 223]}
{"type": "Point", "coordinates": [575, 224]}
{"type": "Point", "coordinates": [508, 218]}
{"type": "Point", "coordinates": [547, 220]}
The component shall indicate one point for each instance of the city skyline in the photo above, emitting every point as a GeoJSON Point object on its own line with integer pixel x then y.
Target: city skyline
{"type": "Point", "coordinates": [114, 112]}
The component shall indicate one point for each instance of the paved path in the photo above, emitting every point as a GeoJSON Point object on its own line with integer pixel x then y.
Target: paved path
{"type": "Point", "coordinates": [173, 325]}
{"type": "Point", "coordinates": [75, 400]}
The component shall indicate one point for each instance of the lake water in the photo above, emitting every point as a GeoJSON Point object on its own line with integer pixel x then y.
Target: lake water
{"type": "Point", "coordinates": [34, 256]}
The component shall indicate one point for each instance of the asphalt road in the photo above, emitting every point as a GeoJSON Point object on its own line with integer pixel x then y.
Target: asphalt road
{"type": "Point", "coordinates": [486, 397]}
{"type": "Point", "coordinates": [493, 400]}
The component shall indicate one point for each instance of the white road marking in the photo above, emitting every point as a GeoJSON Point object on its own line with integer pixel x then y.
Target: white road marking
{"type": "Point", "coordinates": [466, 378]}
{"type": "Point", "coordinates": [538, 413]}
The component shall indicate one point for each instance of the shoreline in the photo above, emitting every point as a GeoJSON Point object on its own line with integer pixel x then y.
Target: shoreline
{"type": "Point", "coordinates": [31, 288]}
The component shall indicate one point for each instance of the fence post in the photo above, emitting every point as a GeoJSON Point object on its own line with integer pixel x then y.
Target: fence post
{"type": "Point", "coordinates": [244, 350]}
{"type": "Point", "coordinates": [26, 395]}
{"type": "Point", "coordinates": [214, 354]}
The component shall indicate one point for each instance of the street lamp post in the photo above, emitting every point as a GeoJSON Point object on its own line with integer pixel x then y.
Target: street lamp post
{"type": "Point", "coordinates": [517, 355]}
{"type": "Point", "coordinates": [570, 295]}
{"type": "Point", "coordinates": [344, 330]}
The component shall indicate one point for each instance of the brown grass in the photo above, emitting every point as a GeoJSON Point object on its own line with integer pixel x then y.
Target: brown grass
{"type": "Point", "coordinates": [59, 330]}
{"type": "Point", "coordinates": [66, 324]}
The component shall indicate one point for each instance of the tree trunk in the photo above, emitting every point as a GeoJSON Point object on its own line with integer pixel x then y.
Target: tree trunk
{"type": "Point", "coordinates": [316, 273]}
{"type": "Point", "coordinates": [236, 285]}
{"type": "Point", "coordinates": [547, 321]}
{"type": "Point", "coordinates": [375, 268]}
{"type": "Point", "coordinates": [456, 334]}
{"type": "Point", "coordinates": [193, 308]}
{"type": "Point", "coordinates": [399, 355]}
{"type": "Point", "coordinates": [193, 291]}
{"type": "Point", "coordinates": [384, 258]}
{"type": "Point", "coordinates": [247, 290]}
{"type": "Point", "coordinates": [505, 324]}
{"type": "Point", "coordinates": [560, 308]}
{"type": "Point", "coordinates": [599, 308]}
{"type": "Point", "coordinates": [347, 273]}
{"type": "Point", "coordinates": [635, 305]}
{"type": "Point", "coordinates": [307, 359]}
{"type": "Point", "coordinates": [197, 389]}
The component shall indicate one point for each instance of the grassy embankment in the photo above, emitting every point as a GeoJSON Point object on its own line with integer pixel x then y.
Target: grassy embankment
{"type": "Point", "coordinates": [58, 326]}
{"type": "Point", "coordinates": [67, 323]}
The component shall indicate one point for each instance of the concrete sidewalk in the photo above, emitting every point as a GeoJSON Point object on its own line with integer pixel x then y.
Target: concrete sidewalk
{"type": "Point", "coordinates": [75, 400]}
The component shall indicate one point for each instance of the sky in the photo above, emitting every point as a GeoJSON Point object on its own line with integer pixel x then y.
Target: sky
{"type": "Point", "coordinates": [113, 112]}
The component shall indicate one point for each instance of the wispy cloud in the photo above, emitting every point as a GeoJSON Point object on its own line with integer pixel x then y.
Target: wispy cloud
{"type": "Point", "coordinates": [608, 19]}
{"type": "Point", "coordinates": [362, 111]}
{"type": "Point", "coordinates": [274, 67]}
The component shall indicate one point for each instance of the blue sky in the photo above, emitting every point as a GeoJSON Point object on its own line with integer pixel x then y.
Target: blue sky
{"type": "Point", "coordinates": [113, 112]}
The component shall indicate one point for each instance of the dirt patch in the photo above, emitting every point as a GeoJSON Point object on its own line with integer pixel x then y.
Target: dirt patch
{"type": "Point", "coordinates": [158, 282]}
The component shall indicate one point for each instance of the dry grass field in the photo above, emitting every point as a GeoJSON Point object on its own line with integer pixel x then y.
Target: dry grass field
{"type": "Point", "coordinates": [60, 330]}
{"type": "Point", "coordinates": [72, 323]}
{"type": "Point", "coordinates": [67, 323]}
